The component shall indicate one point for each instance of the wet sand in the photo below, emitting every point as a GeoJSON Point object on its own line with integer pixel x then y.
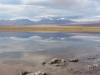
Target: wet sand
{"type": "Point", "coordinates": [31, 62]}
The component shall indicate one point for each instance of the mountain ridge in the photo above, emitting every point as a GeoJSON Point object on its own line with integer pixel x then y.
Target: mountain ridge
{"type": "Point", "coordinates": [47, 21]}
{"type": "Point", "coordinates": [29, 22]}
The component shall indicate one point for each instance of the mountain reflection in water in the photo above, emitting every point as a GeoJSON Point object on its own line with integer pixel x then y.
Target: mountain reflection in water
{"type": "Point", "coordinates": [26, 51]}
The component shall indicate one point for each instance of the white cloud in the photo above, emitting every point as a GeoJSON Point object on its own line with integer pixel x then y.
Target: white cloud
{"type": "Point", "coordinates": [32, 11]}
{"type": "Point", "coordinates": [37, 9]}
{"type": "Point", "coordinates": [15, 11]}
{"type": "Point", "coordinates": [68, 3]}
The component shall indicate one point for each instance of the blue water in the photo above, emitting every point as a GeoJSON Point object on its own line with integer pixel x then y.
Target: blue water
{"type": "Point", "coordinates": [35, 42]}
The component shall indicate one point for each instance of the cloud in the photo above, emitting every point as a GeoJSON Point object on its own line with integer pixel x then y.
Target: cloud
{"type": "Point", "coordinates": [85, 37]}
{"type": "Point", "coordinates": [37, 9]}
{"type": "Point", "coordinates": [68, 3]}
{"type": "Point", "coordinates": [15, 11]}
{"type": "Point", "coordinates": [9, 11]}
{"type": "Point", "coordinates": [32, 12]}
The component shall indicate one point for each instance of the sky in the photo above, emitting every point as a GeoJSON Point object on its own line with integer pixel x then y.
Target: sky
{"type": "Point", "coordinates": [76, 10]}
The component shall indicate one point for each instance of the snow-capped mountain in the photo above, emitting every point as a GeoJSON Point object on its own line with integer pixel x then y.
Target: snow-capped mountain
{"type": "Point", "coordinates": [29, 22]}
{"type": "Point", "coordinates": [55, 21]}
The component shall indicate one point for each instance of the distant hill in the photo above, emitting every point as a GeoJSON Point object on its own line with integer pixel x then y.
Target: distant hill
{"type": "Point", "coordinates": [86, 23]}
{"type": "Point", "coordinates": [16, 22]}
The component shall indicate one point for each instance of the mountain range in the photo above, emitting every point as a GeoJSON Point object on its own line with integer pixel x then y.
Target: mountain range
{"type": "Point", "coordinates": [47, 21]}
{"type": "Point", "coordinates": [40, 22]}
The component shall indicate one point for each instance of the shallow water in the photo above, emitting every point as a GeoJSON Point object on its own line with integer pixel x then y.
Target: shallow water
{"type": "Point", "coordinates": [27, 50]}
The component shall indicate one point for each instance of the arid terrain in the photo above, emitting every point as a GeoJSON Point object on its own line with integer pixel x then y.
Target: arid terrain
{"type": "Point", "coordinates": [50, 28]}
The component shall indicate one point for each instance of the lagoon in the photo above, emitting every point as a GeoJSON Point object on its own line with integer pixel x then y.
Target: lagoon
{"type": "Point", "coordinates": [27, 50]}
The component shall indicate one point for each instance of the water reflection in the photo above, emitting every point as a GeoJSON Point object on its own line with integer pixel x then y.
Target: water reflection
{"type": "Point", "coordinates": [27, 50]}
